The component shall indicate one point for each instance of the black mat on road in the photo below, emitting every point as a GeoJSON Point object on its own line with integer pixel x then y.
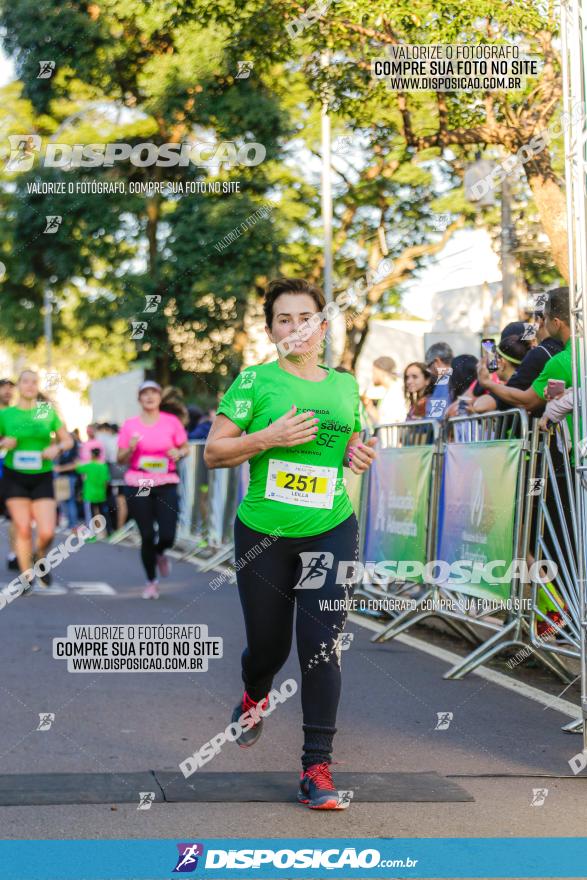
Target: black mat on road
{"type": "Point", "coordinates": [28, 789]}
{"type": "Point", "coordinates": [23, 789]}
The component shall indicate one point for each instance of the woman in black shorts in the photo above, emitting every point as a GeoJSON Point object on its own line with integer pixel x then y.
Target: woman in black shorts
{"type": "Point", "coordinates": [34, 436]}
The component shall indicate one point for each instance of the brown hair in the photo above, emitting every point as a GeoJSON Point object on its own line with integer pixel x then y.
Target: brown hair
{"type": "Point", "coordinates": [426, 390]}
{"type": "Point", "coordinates": [290, 285]}
{"type": "Point", "coordinates": [386, 364]}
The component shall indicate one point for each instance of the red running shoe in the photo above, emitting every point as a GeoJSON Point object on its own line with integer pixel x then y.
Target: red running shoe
{"type": "Point", "coordinates": [317, 789]}
{"type": "Point", "coordinates": [544, 628]}
{"type": "Point", "coordinates": [249, 736]}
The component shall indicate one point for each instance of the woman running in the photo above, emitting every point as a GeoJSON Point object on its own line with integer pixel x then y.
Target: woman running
{"type": "Point", "coordinates": [34, 436]}
{"type": "Point", "coordinates": [301, 423]}
{"type": "Point", "coordinates": [152, 443]}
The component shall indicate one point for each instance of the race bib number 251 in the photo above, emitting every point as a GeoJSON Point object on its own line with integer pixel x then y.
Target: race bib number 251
{"type": "Point", "coordinates": [303, 484]}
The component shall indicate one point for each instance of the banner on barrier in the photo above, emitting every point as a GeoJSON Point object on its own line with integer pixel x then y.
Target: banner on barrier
{"type": "Point", "coordinates": [398, 505]}
{"type": "Point", "coordinates": [477, 512]}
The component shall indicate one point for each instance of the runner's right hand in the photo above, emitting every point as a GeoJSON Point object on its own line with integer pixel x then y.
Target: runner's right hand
{"type": "Point", "coordinates": [9, 442]}
{"type": "Point", "coordinates": [292, 430]}
{"type": "Point", "coordinates": [132, 443]}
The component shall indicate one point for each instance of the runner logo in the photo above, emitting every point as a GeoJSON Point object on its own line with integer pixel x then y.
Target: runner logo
{"type": "Point", "coordinates": [538, 797]}
{"type": "Point", "coordinates": [22, 151]}
{"type": "Point", "coordinates": [151, 302]}
{"type": "Point", "coordinates": [244, 69]}
{"type": "Point", "coordinates": [46, 69]}
{"type": "Point", "coordinates": [144, 487]}
{"type": "Point", "coordinates": [344, 640]}
{"type": "Point", "coordinates": [188, 857]}
{"type": "Point", "coordinates": [536, 486]}
{"type": "Point", "coordinates": [138, 329]}
{"type": "Point", "coordinates": [344, 798]}
{"type": "Point", "coordinates": [437, 408]}
{"type": "Point", "coordinates": [46, 719]}
{"type": "Point", "coordinates": [42, 409]}
{"type": "Point", "coordinates": [146, 798]}
{"type": "Point", "coordinates": [247, 379]}
{"type": "Point", "coordinates": [444, 719]}
{"type": "Point", "coordinates": [315, 567]}
{"type": "Point", "coordinates": [52, 223]}
{"type": "Point", "coordinates": [241, 408]}
{"type": "Point", "coordinates": [52, 381]}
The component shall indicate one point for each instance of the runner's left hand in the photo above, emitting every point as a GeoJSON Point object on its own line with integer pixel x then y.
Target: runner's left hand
{"type": "Point", "coordinates": [174, 453]}
{"type": "Point", "coordinates": [362, 456]}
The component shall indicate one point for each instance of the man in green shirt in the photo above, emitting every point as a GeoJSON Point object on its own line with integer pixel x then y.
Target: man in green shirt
{"type": "Point", "coordinates": [557, 319]}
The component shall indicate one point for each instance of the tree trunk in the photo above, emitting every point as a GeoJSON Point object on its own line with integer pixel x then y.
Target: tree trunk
{"type": "Point", "coordinates": [549, 196]}
{"type": "Point", "coordinates": [157, 332]}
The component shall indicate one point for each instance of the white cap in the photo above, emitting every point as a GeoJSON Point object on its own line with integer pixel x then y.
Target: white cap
{"type": "Point", "coordinates": [149, 384]}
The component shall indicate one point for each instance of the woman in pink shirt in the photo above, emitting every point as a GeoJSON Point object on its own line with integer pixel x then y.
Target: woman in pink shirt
{"type": "Point", "coordinates": [151, 444]}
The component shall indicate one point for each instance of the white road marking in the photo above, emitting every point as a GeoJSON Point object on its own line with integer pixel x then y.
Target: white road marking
{"type": "Point", "coordinates": [91, 588]}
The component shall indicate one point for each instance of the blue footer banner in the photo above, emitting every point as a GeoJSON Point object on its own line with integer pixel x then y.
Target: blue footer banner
{"type": "Point", "coordinates": [287, 858]}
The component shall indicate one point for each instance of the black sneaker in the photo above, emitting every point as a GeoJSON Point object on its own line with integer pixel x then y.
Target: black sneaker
{"type": "Point", "coordinates": [12, 563]}
{"type": "Point", "coordinates": [250, 736]}
{"type": "Point", "coordinates": [317, 789]}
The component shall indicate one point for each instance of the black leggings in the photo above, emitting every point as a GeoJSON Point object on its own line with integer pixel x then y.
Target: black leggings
{"type": "Point", "coordinates": [158, 506]}
{"type": "Point", "coordinates": [267, 581]}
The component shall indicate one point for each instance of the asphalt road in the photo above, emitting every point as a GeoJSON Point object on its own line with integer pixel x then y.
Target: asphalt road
{"type": "Point", "coordinates": [499, 746]}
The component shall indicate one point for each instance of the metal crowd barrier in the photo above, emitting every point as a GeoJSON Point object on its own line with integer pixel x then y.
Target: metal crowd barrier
{"type": "Point", "coordinates": [429, 480]}
{"type": "Point", "coordinates": [556, 538]}
{"type": "Point", "coordinates": [502, 444]}
{"type": "Point", "coordinates": [207, 509]}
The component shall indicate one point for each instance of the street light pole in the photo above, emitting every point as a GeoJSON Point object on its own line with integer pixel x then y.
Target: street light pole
{"type": "Point", "coordinates": [327, 206]}
{"type": "Point", "coordinates": [507, 274]}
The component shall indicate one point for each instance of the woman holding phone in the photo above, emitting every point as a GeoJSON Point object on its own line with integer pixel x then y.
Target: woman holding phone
{"type": "Point", "coordinates": [151, 444]}
{"type": "Point", "coordinates": [296, 422]}
{"type": "Point", "coordinates": [34, 436]}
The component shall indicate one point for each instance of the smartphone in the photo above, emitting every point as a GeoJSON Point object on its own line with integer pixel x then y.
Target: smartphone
{"type": "Point", "coordinates": [489, 348]}
{"type": "Point", "coordinates": [555, 387]}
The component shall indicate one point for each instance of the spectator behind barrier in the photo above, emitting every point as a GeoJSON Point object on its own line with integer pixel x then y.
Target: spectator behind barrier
{"type": "Point", "coordinates": [511, 352]}
{"type": "Point", "coordinates": [85, 450]}
{"type": "Point", "coordinates": [418, 385]}
{"type": "Point", "coordinates": [557, 366]}
{"type": "Point", "coordinates": [439, 358]}
{"type": "Point", "coordinates": [392, 407]}
{"type": "Point", "coordinates": [532, 364]}
{"type": "Point", "coordinates": [172, 401]}
{"type": "Point", "coordinates": [460, 384]}
{"type": "Point", "coordinates": [107, 437]}
{"type": "Point", "coordinates": [202, 429]}
{"type": "Point", "coordinates": [195, 414]}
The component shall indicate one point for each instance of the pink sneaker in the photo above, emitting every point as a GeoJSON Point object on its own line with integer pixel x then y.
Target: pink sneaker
{"type": "Point", "coordinates": [151, 591]}
{"type": "Point", "coordinates": [164, 565]}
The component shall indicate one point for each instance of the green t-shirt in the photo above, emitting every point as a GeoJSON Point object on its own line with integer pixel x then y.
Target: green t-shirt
{"type": "Point", "coordinates": [96, 477]}
{"type": "Point", "coordinates": [558, 367]}
{"type": "Point", "coordinates": [298, 489]}
{"type": "Point", "coordinates": [33, 429]}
